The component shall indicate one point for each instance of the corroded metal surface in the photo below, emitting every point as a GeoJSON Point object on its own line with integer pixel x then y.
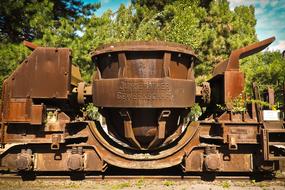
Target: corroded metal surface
{"type": "Point", "coordinates": [45, 67]}
{"type": "Point", "coordinates": [228, 81]}
{"type": "Point", "coordinates": [233, 62]}
{"type": "Point", "coordinates": [146, 79]}
{"type": "Point", "coordinates": [143, 46]}
{"type": "Point", "coordinates": [145, 91]}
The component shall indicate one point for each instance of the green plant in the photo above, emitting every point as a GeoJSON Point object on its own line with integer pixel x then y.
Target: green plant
{"type": "Point", "coordinates": [168, 183]}
{"type": "Point", "coordinates": [140, 183]}
{"type": "Point", "coordinates": [263, 184]}
{"type": "Point", "coordinates": [278, 173]}
{"type": "Point", "coordinates": [262, 103]}
{"type": "Point", "coordinates": [221, 107]}
{"type": "Point", "coordinates": [238, 104]}
{"type": "Point", "coordinates": [90, 111]}
{"type": "Point", "coordinates": [195, 112]}
{"type": "Point", "coordinates": [121, 185]}
{"type": "Point", "coordinates": [226, 184]}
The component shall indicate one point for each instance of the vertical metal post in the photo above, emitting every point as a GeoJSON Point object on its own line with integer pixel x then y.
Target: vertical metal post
{"type": "Point", "coordinates": [283, 99]}
{"type": "Point", "coordinates": [257, 97]}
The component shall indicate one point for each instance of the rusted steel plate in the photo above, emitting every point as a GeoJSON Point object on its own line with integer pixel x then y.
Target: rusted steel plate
{"type": "Point", "coordinates": [273, 139]}
{"type": "Point", "coordinates": [123, 159]}
{"type": "Point", "coordinates": [44, 74]}
{"type": "Point", "coordinates": [137, 75]}
{"type": "Point", "coordinates": [143, 46]}
{"type": "Point", "coordinates": [18, 110]}
{"type": "Point", "coordinates": [139, 64]}
{"type": "Point", "coordinates": [241, 134]}
{"type": "Point", "coordinates": [144, 93]}
{"type": "Point", "coordinates": [233, 85]}
{"type": "Point", "coordinates": [238, 163]}
{"type": "Point", "coordinates": [75, 75]}
{"type": "Point", "coordinates": [37, 114]}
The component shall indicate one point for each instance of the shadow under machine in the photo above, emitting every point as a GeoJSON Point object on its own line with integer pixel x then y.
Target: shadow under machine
{"type": "Point", "coordinates": [145, 92]}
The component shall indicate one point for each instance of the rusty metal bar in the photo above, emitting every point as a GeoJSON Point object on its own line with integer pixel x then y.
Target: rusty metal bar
{"type": "Point", "coordinates": [166, 64]}
{"type": "Point", "coordinates": [257, 105]}
{"type": "Point", "coordinates": [30, 45]}
{"type": "Point", "coordinates": [122, 64]}
{"type": "Point", "coordinates": [233, 62]}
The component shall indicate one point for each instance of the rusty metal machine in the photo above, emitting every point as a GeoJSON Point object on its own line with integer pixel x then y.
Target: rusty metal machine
{"type": "Point", "coordinates": [145, 92]}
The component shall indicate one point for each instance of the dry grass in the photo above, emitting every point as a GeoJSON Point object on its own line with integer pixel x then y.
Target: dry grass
{"type": "Point", "coordinates": [147, 184]}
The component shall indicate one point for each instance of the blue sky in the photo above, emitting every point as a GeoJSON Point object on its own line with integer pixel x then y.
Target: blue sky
{"type": "Point", "coordinates": [270, 15]}
{"type": "Point", "coordinates": [108, 4]}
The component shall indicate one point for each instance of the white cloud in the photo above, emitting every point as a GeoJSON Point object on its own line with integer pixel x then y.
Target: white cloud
{"type": "Point", "coordinates": [259, 11]}
{"type": "Point", "coordinates": [264, 3]}
{"type": "Point", "coordinates": [241, 2]}
{"type": "Point", "coordinates": [270, 16]}
{"type": "Point", "coordinates": [273, 3]}
{"type": "Point", "coordinates": [234, 3]}
{"type": "Point", "coordinates": [105, 1]}
{"type": "Point", "coordinates": [280, 46]}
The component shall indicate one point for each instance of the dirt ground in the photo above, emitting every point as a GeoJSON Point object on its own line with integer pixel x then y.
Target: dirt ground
{"type": "Point", "coordinates": [139, 184]}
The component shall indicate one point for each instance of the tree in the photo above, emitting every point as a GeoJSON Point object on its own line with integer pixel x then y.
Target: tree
{"type": "Point", "coordinates": [152, 4]}
{"type": "Point", "coordinates": [27, 19]}
{"type": "Point", "coordinates": [209, 27]}
{"type": "Point", "coordinates": [11, 55]}
{"type": "Point", "coordinates": [46, 22]}
{"type": "Point", "coordinates": [267, 69]}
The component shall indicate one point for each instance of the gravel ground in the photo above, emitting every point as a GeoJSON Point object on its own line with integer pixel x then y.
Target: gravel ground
{"type": "Point", "coordinates": [139, 184]}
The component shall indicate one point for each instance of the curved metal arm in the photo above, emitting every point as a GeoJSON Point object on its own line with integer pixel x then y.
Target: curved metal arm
{"type": "Point", "coordinates": [233, 62]}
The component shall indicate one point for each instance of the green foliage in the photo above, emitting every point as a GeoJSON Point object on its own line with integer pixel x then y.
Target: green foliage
{"type": "Point", "coordinates": [221, 108]}
{"type": "Point", "coordinates": [279, 174]}
{"type": "Point", "coordinates": [27, 19]}
{"type": "Point", "coordinates": [168, 183]}
{"type": "Point", "coordinates": [121, 186]}
{"type": "Point", "coordinates": [265, 69]}
{"type": "Point", "coordinates": [48, 23]}
{"type": "Point", "coordinates": [152, 4]}
{"type": "Point", "coordinates": [140, 183]}
{"type": "Point", "coordinates": [195, 113]}
{"type": "Point", "coordinates": [90, 111]}
{"type": "Point", "coordinates": [212, 31]}
{"type": "Point", "coordinates": [11, 55]}
{"type": "Point", "coordinates": [226, 185]}
{"type": "Point", "coordinates": [238, 104]}
{"type": "Point", "coordinates": [261, 103]}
